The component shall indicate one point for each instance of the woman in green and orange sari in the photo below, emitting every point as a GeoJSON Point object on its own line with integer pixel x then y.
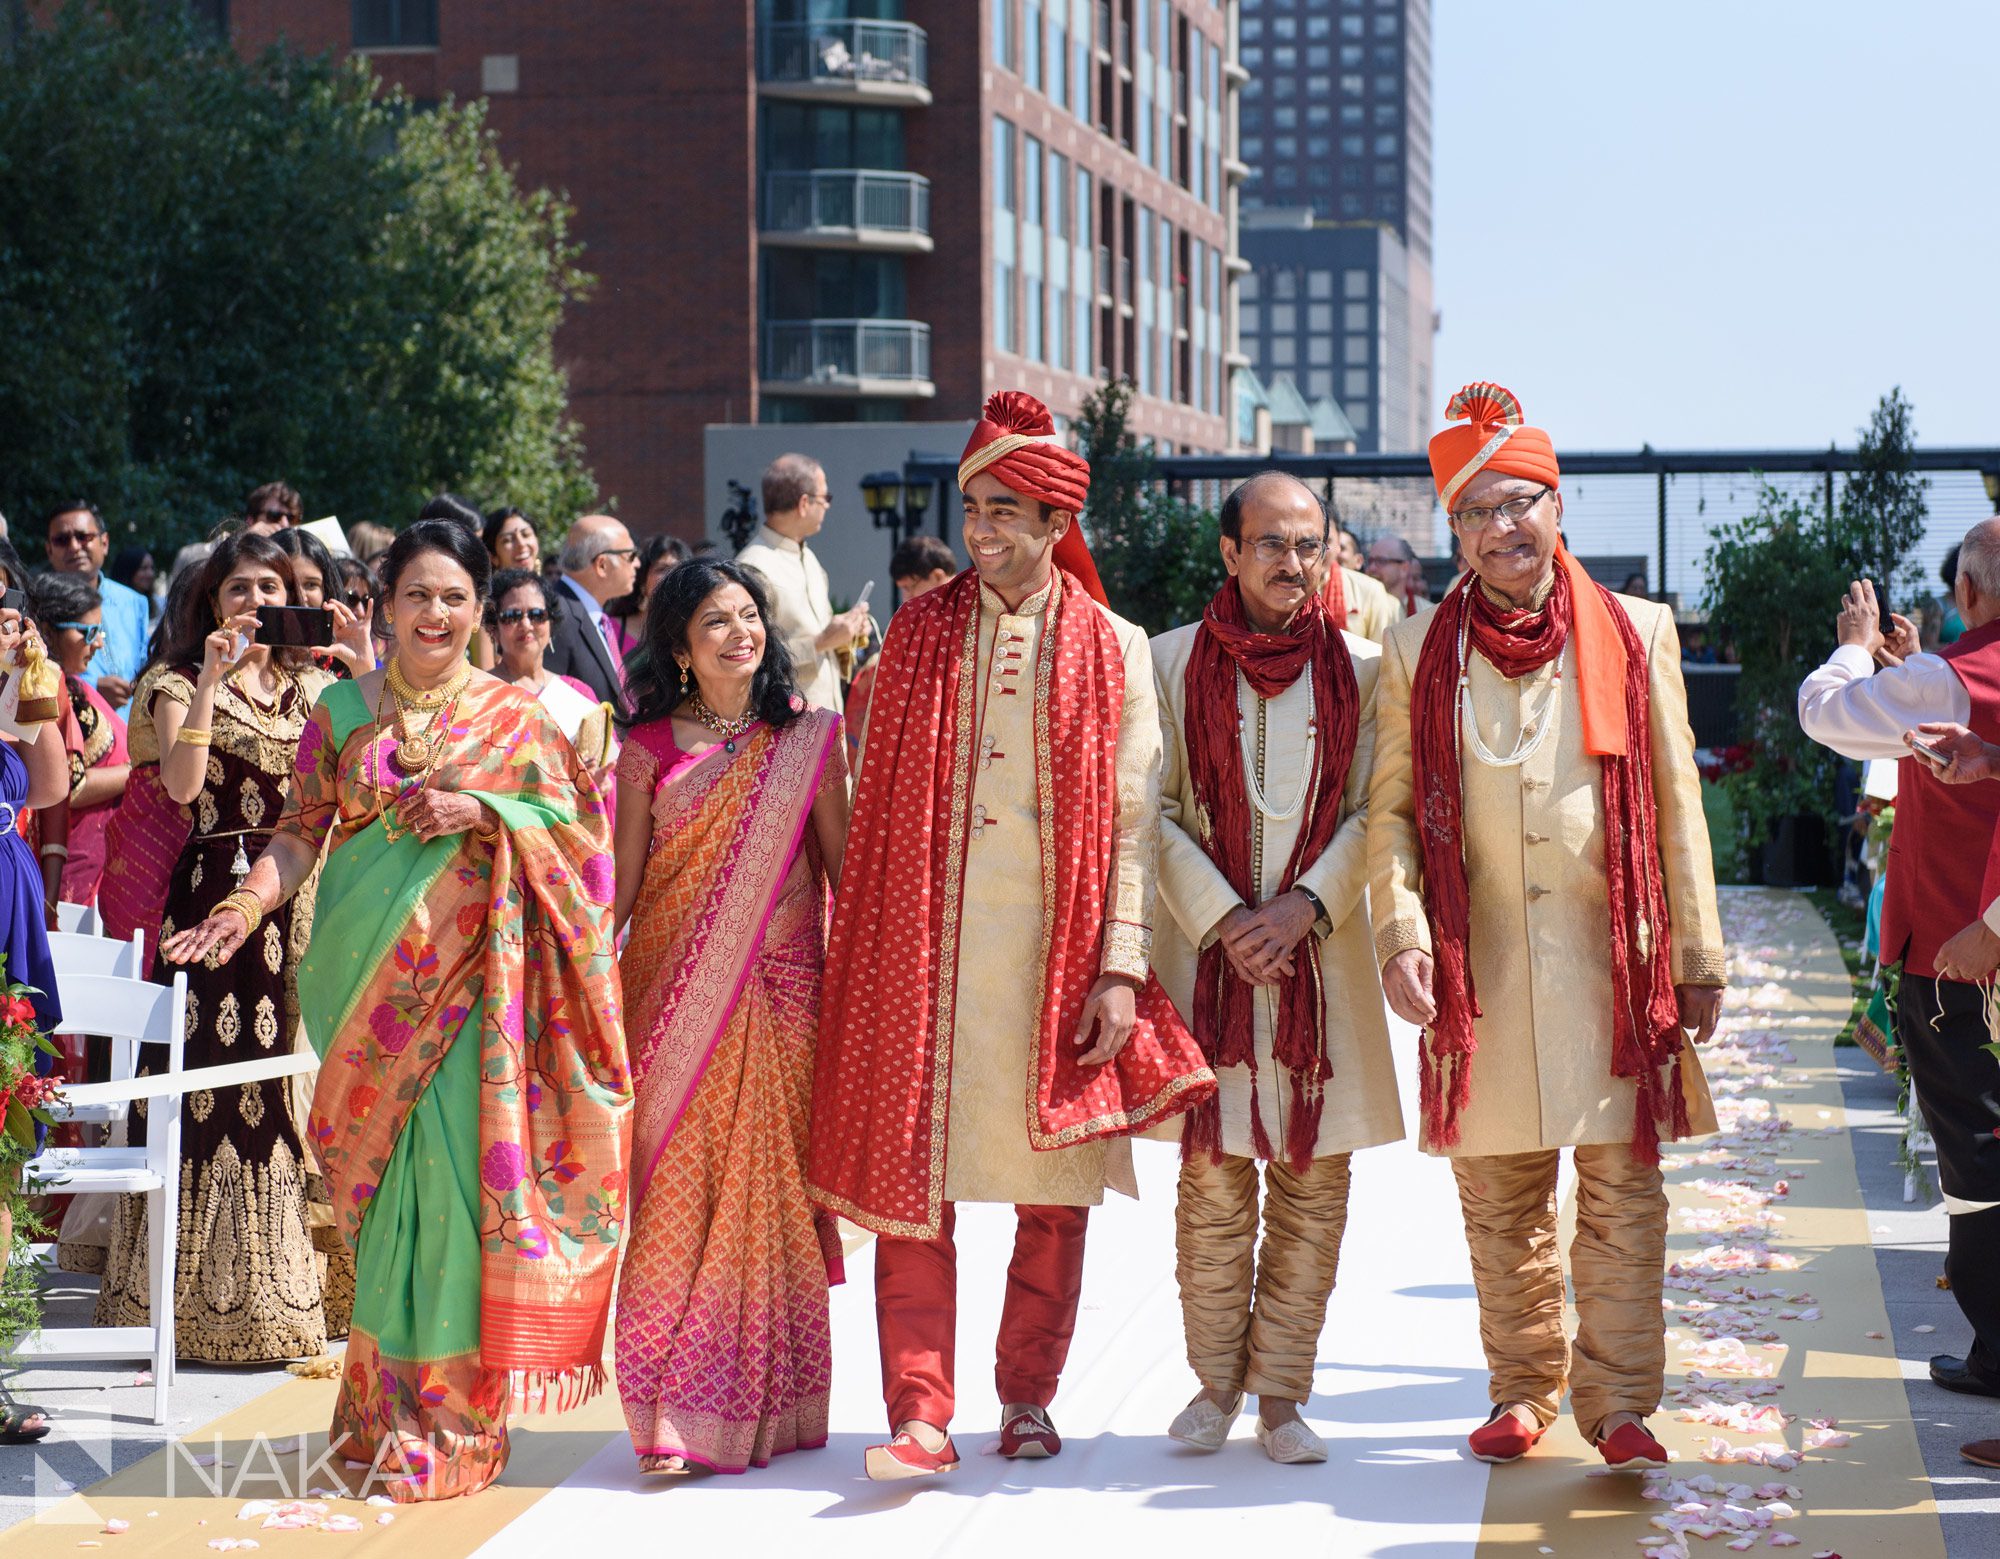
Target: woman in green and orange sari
{"type": "Point", "coordinates": [472, 1113]}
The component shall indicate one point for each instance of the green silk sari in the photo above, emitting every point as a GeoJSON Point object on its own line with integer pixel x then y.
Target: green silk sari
{"type": "Point", "coordinates": [473, 1110]}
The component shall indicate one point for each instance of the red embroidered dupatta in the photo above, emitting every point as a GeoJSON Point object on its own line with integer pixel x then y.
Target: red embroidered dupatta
{"type": "Point", "coordinates": [882, 1083]}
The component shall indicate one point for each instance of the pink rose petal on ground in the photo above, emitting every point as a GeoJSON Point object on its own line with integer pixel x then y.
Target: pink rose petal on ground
{"type": "Point", "coordinates": [1782, 1540]}
{"type": "Point", "coordinates": [385, 1518]}
{"type": "Point", "coordinates": [340, 1524]}
{"type": "Point", "coordinates": [116, 1524]}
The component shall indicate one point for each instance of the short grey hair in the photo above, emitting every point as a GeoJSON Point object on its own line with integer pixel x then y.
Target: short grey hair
{"type": "Point", "coordinates": [1979, 558]}
{"type": "Point", "coordinates": [581, 546]}
{"type": "Point", "coordinates": [788, 481]}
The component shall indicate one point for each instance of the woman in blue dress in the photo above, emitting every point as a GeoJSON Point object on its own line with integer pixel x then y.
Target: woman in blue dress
{"type": "Point", "coordinates": [32, 774]}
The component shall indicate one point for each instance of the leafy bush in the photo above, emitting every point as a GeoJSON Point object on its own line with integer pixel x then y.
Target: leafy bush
{"type": "Point", "coordinates": [216, 272]}
{"type": "Point", "coordinates": [1156, 553]}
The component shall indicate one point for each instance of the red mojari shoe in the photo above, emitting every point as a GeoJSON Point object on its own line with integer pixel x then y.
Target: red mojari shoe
{"type": "Point", "coordinates": [1503, 1437]}
{"type": "Point", "coordinates": [1028, 1435]}
{"type": "Point", "coordinates": [1631, 1448]}
{"type": "Point", "coordinates": [906, 1457]}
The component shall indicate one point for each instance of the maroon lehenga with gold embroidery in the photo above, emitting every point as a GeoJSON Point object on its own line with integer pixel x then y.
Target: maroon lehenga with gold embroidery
{"type": "Point", "coordinates": [250, 1283]}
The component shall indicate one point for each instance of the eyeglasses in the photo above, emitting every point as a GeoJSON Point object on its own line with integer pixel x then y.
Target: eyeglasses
{"type": "Point", "coordinates": [274, 516]}
{"type": "Point", "coordinates": [1512, 510]}
{"type": "Point", "coordinates": [72, 538]}
{"type": "Point", "coordinates": [358, 600]}
{"type": "Point", "coordinates": [619, 552]}
{"type": "Point", "coordinates": [826, 498]}
{"type": "Point", "coordinates": [535, 614]}
{"type": "Point", "coordinates": [1275, 549]}
{"type": "Point", "coordinates": [93, 633]}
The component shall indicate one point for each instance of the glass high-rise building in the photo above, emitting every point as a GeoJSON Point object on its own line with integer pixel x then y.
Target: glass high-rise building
{"type": "Point", "coordinates": [1335, 129]}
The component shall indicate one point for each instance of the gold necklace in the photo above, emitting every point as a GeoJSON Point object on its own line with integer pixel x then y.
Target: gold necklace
{"type": "Point", "coordinates": [726, 728]}
{"type": "Point", "coordinates": [419, 746]}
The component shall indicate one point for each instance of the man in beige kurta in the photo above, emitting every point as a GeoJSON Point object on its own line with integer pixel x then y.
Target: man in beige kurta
{"type": "Point", "coordinates": [796, 501]}
{"type": "Point", "coordinates": [1371, 610]}
{"type": "Point", "coordinates": [990, 1031]}
{"type": "Point", "coordinates": [1544, 1073]}
{"type": "Point", "coordinates": [1253, 1317]}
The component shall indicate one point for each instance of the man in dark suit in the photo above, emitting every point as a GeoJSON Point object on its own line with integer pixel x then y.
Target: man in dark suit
{"type": "Point", "coordinates": [599, 564]}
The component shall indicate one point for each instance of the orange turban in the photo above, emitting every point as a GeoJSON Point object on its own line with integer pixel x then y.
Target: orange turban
{"type": "Point", "coordinates": [1491, 439]}
{"type": "Point", "coordinates": [1016, 441]}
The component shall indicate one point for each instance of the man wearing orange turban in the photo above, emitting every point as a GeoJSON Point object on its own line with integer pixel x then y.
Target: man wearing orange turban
{"type": "Point", "coordinates": [991, 943]}
{"type": "Point", "coordinates": [1536, 724]}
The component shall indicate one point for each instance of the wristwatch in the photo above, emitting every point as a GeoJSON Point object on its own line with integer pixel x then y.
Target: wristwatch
{"type": "Point", "coordinates": [1312, 898]}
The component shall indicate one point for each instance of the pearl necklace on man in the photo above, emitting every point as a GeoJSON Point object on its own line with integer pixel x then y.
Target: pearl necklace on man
{"type": "Point", "coordinates": [1534, 731]}
{"type": "Point", "coordinates": [1253, 772]}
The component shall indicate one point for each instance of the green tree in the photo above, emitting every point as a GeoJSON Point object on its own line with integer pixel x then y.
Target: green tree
{"type": "Point", "coordinates": [1156, 553]}
{"type": "Point", "coordinates": [1775, 579]}
{"type": "Point", "coordinates": [1882, 506]}
{"type": "Point", "coordinates": [214, 272]}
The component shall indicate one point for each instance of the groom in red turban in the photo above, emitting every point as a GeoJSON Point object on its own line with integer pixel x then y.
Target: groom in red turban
{"type": "Point", "coordinates": [1532, 738]}
{"type": "Point", "coordinates": [991, 943]}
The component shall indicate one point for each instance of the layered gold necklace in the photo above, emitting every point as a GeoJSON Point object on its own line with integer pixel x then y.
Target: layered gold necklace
{"type": "Point", "coordinates": [423, 715]}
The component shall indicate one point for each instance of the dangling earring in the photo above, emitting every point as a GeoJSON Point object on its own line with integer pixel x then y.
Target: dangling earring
{"type": "Point", "coordinates": [684, 678]}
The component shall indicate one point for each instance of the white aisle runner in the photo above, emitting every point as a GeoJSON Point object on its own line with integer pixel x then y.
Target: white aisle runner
{"type": "Point", "coordinates": [1400, 1382]}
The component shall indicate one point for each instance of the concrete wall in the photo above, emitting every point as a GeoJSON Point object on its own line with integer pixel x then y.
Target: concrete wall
{"type": "Point", "coordinates": [850, 546]}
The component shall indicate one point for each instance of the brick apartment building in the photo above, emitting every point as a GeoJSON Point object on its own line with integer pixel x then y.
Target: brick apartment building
{"type": "Point", "coordinates": [847, 210]}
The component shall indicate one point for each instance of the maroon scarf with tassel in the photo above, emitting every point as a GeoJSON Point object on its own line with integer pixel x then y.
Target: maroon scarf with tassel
{"type": "Point", "coordinates": [1645, 1020]}
{"type": "Point", "coordinates": [1224, 1017]}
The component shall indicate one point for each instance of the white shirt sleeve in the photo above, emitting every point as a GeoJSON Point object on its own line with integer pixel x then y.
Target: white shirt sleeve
{"type": "Point", "coordinates": [1861, 712]}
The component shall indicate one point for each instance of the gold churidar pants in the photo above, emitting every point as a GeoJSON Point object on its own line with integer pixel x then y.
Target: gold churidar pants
{"type": "Point", "coordinates": [1253, 1317]}
{"type": "Point", "coordinates": [1617, 1263]}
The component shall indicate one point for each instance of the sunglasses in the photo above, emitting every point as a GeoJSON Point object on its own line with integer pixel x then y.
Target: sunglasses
{"type": "Point", "coordinates": [274, 516]}
{"type": "Point", "coordinates": [72, 538]}
{"type": "Point", "coordinates": [93, 633]}
{"type": "Point", "coordinates": [535, 614]}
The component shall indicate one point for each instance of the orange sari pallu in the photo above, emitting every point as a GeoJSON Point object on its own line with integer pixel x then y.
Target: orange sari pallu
{"type": "Point", "coordinates": [723, 1346]}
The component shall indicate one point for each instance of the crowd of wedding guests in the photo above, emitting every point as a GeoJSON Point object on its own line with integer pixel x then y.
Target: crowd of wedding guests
{"type": "Point", "coordinates": [650, 932]}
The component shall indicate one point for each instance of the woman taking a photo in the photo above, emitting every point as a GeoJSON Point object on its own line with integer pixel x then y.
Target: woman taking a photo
{"type": "Point", "coordinates": [473, 1112]}
{"type": "Point", "coordinates": [732, 815]}
{"type": "Point", "coordinates": [227, 712]}
{"type": "Point", "coordinates": [520, 616]}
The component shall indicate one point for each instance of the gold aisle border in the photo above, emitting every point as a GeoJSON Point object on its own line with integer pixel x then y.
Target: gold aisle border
{"type": "Point", "coordinates": [1869, 1495]}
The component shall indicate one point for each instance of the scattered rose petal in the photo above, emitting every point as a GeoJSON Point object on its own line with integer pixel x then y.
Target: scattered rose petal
{"type": "Point", "coordinates": [1924, 1330]}
{"type": "Point", "coordinates": [117, 1524]}
{"type": "Point", "coordinates": [385, 1518]}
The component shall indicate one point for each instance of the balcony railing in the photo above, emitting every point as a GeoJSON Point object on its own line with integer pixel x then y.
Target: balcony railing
{"type": "Point", "coordinates": [859, 207]}
{"type": "Point", "coordinates": [849, 356]}
{"type": "Point", "coordinates": [885, 58]}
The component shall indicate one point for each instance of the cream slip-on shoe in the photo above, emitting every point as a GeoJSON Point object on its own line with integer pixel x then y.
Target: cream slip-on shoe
{"type": "Point", "coordinates": [1203, 1425]}
{"type": "Point", "coordinates": [1291, 1443]}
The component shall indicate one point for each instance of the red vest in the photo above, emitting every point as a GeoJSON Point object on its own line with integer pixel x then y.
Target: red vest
{"type": "Point", "coordinates": [1941, 862]}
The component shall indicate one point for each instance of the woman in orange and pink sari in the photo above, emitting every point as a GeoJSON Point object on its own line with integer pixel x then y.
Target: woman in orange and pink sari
{"type": "Point", "coordinates": [731, 819]}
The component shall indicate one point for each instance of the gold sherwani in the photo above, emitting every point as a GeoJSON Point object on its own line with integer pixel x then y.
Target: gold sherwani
{"type": "Point", "coordinates": [1534, 861]}
{"type": "Point", "coordinates": [1253, 1315]}
{"type": "Point", "coordinates": [800, 610]}
{"type": "Point", "coordinates": [1371, 610]}
{"type": "Point", "coordinates": [1361, 1104]}
{"type": "Point", "coordinates": [1541, 1076]}
{"type": "Point", "coordinates": [994, 1033]}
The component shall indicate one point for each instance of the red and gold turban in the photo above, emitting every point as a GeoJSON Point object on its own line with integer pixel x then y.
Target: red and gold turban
{"type": "Point", "coordinates": [1491, 439]}
{"type": "Point", "coordinates": [1016, 441]}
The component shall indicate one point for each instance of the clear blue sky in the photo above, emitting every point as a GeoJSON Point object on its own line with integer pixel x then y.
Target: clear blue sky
{"type": "Point", "coordinates": [1716, 225]}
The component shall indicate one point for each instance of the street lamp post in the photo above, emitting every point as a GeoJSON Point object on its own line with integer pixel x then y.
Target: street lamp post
{"type": "Point", "coordinates": [895, 506]}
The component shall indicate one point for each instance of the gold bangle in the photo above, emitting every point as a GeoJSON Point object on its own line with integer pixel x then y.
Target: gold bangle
{"type": "Point", "coordinates": [195, 738]}
{"type": "Point", "coordinates": [246, 904]}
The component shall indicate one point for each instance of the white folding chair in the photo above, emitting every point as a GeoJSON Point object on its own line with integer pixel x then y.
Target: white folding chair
{"type": "Point", "coordinates": [81, 919]}
{"type": "Point", "coordinates": [73, 956]}
{"type": "Point", "coordinates": [132, 1013]}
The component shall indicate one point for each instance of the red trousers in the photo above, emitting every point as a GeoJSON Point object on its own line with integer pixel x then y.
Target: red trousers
{"type": "Point", "coordinates": [916, 1314]}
